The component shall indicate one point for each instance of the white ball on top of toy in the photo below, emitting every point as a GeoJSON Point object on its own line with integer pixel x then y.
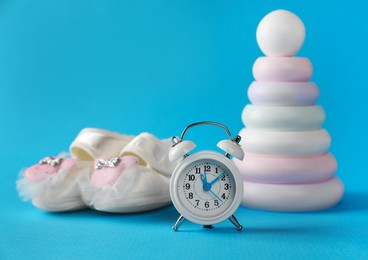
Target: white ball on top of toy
{"type": "Point", "coordinates": [280, 34]}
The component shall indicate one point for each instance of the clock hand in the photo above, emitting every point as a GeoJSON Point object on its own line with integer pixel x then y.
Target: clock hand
{"type": "Point", "coordinates": [217, 178]}
{"type": "Point", "coordinates": [215, 195]}
{"type": "Point", "coordinates": [204, 178]}
{"type": "Point", "coordinates": [206, 185]}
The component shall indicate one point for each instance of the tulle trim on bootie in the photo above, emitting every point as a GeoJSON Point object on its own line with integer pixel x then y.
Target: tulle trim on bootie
{"type": "Point", "coordinates": [137, 189]}
{"type": "Point", "coordinates": [55, 191]}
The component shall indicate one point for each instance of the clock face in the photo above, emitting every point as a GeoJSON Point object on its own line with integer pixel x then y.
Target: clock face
{"type": "Point", "coordinates": [205, 189]}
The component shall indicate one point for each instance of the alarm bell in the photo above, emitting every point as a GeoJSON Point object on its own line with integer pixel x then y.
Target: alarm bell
{"type": "Point", "coordinates": [180, 148]}
{"type": "Point", "coordinates": [232, 148]}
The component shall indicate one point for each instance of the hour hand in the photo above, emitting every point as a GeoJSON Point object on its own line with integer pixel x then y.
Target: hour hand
{"type": "Point", "coordinates": [204, 178]}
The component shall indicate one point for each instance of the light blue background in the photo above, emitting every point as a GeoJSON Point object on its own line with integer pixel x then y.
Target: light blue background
{"type": "Point", "coordinates": [134, 66]}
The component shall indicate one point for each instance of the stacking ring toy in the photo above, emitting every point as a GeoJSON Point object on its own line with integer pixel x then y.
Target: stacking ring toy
{"type": "Point", "coordinates": [286, 170]}
{"type": "Point", "coordinates": [283, 93]}
{"type": "Point", "coordinates": [282, 69]}
{"type": "Point", "coordinates": [287, 118]}
{"type": "Point", "coordinates": [297, 197]}
{"type": "Point", "coordinates": [282, 143]}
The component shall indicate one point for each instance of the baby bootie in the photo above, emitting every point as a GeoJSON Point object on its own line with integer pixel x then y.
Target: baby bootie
{"type": "Point", "coordinates": [135, 180]}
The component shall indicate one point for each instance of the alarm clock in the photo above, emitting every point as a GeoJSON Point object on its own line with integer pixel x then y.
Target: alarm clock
{"type": "Point", "coordinates": [206, 187]}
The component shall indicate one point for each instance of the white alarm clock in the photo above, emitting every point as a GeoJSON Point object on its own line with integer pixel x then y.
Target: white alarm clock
{"type": "Point", "coordinates": [206, 187]}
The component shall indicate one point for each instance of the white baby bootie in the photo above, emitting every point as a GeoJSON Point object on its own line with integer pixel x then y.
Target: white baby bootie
{"type": "Point", "coordinates": [136, 179]}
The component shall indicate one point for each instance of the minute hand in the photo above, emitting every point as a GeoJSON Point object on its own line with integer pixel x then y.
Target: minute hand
{"type": "Point", "coordinates": [217, 178]}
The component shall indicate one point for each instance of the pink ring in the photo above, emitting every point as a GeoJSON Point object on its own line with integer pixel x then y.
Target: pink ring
{"type": "Point", "coordinates": [287, 170]}
{"type": "Point", "coordinates": [282, 69]}
{"type": "Point", "coordinates": [283, 93]}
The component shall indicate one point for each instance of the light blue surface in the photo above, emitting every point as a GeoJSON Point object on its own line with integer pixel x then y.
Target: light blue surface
{"type": "Point", "coordinates": [134, 66]}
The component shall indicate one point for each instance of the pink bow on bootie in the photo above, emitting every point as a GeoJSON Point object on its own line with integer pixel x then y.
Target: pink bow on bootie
{"type": "Point", "coordinates": [107, 171]}
{"type": "Point", "coordinates": [47, 167]}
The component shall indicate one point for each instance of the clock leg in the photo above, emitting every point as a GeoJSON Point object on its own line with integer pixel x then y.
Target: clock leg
{"type": "Point", "coordinates": [207, 226]}
{"type": "Point", "coordinates": [236, 223]}
{"type": "Point", "coordinates": [178, 223]}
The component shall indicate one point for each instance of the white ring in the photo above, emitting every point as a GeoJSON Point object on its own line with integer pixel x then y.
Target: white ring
{"type": "Point", "coordinates": [287, 118]}
{"type": "Point", "coordinates": [282, 143]}
{"type": "Point", "coordinates": [297, 197]}
{"type": "Point", "coordinates": [283, 93]}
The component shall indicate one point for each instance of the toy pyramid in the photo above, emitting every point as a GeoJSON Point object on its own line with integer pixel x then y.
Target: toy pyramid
{"type": "Point", "coordinates": [287, 166]}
